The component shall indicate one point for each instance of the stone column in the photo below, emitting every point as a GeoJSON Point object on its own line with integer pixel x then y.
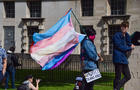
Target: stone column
{"type": "Point", "coordinates": [24, 38]}
{"type": "Point", "coordinates": [134, 65]}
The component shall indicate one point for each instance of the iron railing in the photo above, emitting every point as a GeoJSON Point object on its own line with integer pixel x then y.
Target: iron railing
{"type": "Point", "coordinates": [66, 72]}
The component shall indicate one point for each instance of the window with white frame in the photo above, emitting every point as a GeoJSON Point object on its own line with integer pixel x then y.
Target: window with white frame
{"type": "Point", "coordinates": [87, 7]}
{"type": "Point", "coordinates": [112, 30]}
{"type": "Point", "coordinates": [118, 7]}
{"type": "Point", "coordinates": [35, 8]}
{"type": "Point", "coordinates": [9, 7]}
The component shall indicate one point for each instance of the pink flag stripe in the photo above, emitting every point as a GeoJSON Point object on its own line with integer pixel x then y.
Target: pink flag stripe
{"type": "Point", "coordinates": [47, 58]}
{"type": "Point", "coordinates": [56, 37]}
{"type": "Point", "coordinates": [54, 47]}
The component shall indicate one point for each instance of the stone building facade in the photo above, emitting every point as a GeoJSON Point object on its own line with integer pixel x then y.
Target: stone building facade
{"type": "Point", "coordinates": [19, 19]}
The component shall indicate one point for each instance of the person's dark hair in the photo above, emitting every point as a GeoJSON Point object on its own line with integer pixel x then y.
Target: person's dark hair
{"type": "Point", "coordinates": [12, 49]}
{"type": "Point", "coordinates": [125, 24]}
{"type": "Point", "coordinates": [90, 31]}
{"type": "Point", "coordinates": [28, 77]}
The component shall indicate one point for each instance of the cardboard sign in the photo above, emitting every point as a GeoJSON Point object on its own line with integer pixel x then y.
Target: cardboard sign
{"type": "Point", "coordinates": [92, 75]}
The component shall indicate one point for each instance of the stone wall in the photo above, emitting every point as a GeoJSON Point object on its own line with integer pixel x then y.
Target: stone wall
{"type": "Point", "coordinates": [134, 65]}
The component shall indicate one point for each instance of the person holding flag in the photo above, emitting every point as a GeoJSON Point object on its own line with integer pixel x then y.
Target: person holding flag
{"type": "Point", "coordinates": [89, 56]}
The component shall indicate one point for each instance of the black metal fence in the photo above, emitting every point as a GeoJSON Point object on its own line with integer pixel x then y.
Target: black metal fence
{"type": "Point", "coordinates": [66, 72]}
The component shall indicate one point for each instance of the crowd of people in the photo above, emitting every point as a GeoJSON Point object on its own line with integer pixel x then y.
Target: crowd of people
{"type": "Point", "coordinates": [89, 60]}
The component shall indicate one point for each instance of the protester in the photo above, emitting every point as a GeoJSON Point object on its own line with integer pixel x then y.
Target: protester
{"type": "Point", "coordinates": [12, 62]}
{"type": "Point", "coordinates": [121, 45]}
{"type": "Point", "coordinates": [3, 63]}
{"type": "Point", "coordinates": [28, 84]}
{"type": "Point", "coordinates": [89, 55]}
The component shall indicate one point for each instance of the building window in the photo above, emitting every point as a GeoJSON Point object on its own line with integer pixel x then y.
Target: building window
{"type": "Point", "coordinates": [118, 7]}
{"type": "Point", "coordinates": [9, 36]}
{"type": "Point", "coordinates": [35, 8]}
{"type": "Point", "coordinates": [31, 31]}
{"type": "Point", "coordinates": [84, 27]}
{"type": "Point", "coordinates": [9, 7]}
{"type": "Point", "coordinates": [112, 30]}
{"type": "Point", "coordinates": [87, 7]}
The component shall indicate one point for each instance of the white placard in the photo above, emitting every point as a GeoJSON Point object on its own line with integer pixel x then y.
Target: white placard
{"type": "Point", "coordinates": [92, 75]}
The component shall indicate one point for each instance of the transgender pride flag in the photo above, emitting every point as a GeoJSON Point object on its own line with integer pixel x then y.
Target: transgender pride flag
{"type": "Point", "coordinates": [56, 44]}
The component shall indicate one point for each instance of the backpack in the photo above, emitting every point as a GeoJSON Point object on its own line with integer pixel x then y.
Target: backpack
{"type": "Point", "coordinates": [15, 60]}
{"type": "Point", "coordinates": [23, 87]}
{"type": "Point", "coordinates": [9, 60]}
{"type": "Point", "coordinates": [12, 60]}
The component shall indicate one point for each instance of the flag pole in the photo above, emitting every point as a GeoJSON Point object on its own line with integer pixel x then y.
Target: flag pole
{"type": "Point", "coordinates": [83, 30]}
{"type": "Point", "coordinates": [68, 11]}
{"type": "Point", "coordinates": [81, 27]}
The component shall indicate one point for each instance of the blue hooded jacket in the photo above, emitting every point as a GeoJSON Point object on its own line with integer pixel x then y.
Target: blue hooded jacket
{"type": "Point", "coordinates": [121, 45]}
{"type": "Point", "coordinates": [89, 54]}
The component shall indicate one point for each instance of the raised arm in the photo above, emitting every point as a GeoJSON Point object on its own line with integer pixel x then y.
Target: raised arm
{"type": "Point", "coordinates": [37, 85]}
